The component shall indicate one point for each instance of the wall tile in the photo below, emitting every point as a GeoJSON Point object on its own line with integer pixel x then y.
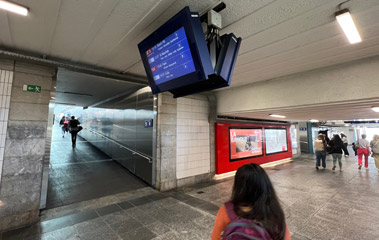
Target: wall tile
{"type": "Point", "coordinates": [192, 136]}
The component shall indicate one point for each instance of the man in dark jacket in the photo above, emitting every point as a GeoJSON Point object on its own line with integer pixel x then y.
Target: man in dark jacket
{"type": "Point", "coordinates": [73, 127]}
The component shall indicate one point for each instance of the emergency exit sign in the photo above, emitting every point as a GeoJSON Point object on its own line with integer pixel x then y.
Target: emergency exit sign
{"type": "Point", "coordinates": [32, 88]}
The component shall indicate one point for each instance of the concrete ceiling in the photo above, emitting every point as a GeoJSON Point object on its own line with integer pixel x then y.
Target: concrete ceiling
{"type": "Point", "coordinates": [345, 111]}
{"type": "Point", "coordinates": [279, 37]}
{"type": "Point", "coordinates": [85, 90]}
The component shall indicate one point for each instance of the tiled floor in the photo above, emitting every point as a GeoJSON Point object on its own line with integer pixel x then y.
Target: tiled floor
{"type": "Point", "coordinates": [318, 205]}
{"type": "Point", "coordinates": [83, 173]}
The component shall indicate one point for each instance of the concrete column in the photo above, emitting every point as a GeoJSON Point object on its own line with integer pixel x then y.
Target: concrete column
{"type": "Point", "coordinates": [212, 131]}
{"type": "Point", "coordinates": [166, 142]}
{"type": "Point", "coordinates": [21, 178]}
{"type": "Point", "coordinates": [305, 133]}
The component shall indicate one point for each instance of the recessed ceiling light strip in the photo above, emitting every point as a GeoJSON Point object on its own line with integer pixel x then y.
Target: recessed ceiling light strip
{"type": "Point", "coordinates": [15, 8]}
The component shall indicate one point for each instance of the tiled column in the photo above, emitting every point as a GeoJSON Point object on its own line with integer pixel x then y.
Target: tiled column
{"type": "Point", "coordinates": [21, 179]}
{"type": "Point", "coordinates": [193, 146]}
{"type": "Point", "coordinates": [6, 79]}
{"type": "Point", "coordinates": [183, 141]}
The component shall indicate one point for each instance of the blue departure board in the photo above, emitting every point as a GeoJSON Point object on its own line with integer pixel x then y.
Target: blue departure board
{"type": "Point", "coordinates": [171, 58]}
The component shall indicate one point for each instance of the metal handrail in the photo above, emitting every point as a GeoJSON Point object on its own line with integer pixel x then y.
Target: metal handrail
{"type": "Point", "coordinates": [120, 145]}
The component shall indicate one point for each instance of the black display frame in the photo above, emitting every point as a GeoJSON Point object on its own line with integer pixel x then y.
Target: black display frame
{"type": "Point", "coordinates": [273, 128]}
{"type": "Point", "coordinates": [244, 158]}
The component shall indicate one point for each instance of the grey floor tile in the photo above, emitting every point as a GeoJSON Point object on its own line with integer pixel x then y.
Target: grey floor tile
{"type": "Point", "coordinates": [63, 233]}
{"type": "Point", "coordinates": [156, 196]}
{"type": "Point", "coordinates": [141, 233]}
{"type": "Point", "coordinates": [83, 216]}
{"type": "Point", "coordinates": [209, 207]}
{"type": "Point", "coordinates": [140, 201]}
{"type": "Point", "coordinates": [89, 226]}
{"type": "Point", "coordinates": [171, 235]}
{"type": "Point", "coordinates": [21, 233]}
{"type": "Point", "coordinates": [125, 205]}
{"type": "Point", "coordinates": [158, 228]}
{"type": "Point", "coordinates": [140, 216]}
{"type": "Point", "coordinates": [125, 226]}
{"type": "Point", "coordinates": [55, 224]}
{"type": "Point", "coordinates": [103, 233]}
{"type": "Point", "coordinates": [108, 209]}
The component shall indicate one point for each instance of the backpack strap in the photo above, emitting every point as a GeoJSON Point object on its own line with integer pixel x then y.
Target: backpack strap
{"type": "Point", "coordinates": [230, 210]}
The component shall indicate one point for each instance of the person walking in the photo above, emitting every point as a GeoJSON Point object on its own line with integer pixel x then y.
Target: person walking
{"type": "Point", "coordinates": [73, 127]}
{"type": "Point", "coordinates": [336, 146]}
{"type": "Point", "coordinates": [363, 148]}
{"type": "Point", "coordinates": [345, 144]}
{"type": "Point", "coordinates": [254, 211]}
{"type": "Point", "coordinates": [320, 148]}
{"type": "Point", "coordinates": [374, 144]}
{"type": "Point", "coordinates": [63, 123]}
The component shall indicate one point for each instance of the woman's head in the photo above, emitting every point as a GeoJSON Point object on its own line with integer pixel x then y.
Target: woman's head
{"type": "Point", "coordinates": [321, 137]}
{"type": "Point", "coordinates": [251, 183]}
{"type": "Point", "coordinates": [253, 188]}
{"type": "Point", "coordinates": [376, 137]}
{"type": "Point", "coordinates": [336, 138]}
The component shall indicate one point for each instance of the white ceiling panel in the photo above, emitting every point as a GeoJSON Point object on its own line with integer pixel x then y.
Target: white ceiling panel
{"type": "Point", "coordinates": [280, 37]}
{"type": "Point", "coordinates": [340, 111]}
{"type": "Point", "coordinates": [126, 54]}
{"type": "Point", "coordinates": [5, 31]}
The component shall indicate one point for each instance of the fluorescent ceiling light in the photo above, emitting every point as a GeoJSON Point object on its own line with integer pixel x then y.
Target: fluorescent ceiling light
{"type": "Point", "coordinates": [375, 109]}
{"type": "Point", "coordinates": [346, 125]}
{"type": "Point", "coordinates": [347, 24]}
{"type": "Point", "coordinates": [12, 7]}
{"type": "Point", "coordinates": [277, 116]}
{"type": "Point", "coordinates": [313, 120]}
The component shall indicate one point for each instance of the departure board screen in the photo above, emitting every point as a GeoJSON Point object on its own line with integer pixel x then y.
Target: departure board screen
{"type": "Point", "coordinates": [171, 58]}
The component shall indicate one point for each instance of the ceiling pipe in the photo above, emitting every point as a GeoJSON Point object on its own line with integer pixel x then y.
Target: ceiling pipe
{"type": "Point", "coordinates": [138, 80]}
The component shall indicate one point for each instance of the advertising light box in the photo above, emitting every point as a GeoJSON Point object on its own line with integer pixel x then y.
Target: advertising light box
{"type": "Point", "coordinates": [245, 143]}
{"type": "Point", "coordinates": [276, 140]}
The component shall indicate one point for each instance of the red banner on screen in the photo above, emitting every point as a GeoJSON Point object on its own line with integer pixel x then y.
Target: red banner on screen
{"type": "Point", "coordinates": [245, 143]}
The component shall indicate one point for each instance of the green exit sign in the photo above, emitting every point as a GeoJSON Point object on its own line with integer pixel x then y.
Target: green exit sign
{"type": "Point", "coordinates": [32, 88]}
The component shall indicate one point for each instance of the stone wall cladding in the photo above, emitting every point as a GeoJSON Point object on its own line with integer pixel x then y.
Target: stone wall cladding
{"type": "Point", "coordinates": [193, 145]}
{"type": "Point", "coordinates": [20, 187]}
{"type": "Point", "coordinates": [166, 142]}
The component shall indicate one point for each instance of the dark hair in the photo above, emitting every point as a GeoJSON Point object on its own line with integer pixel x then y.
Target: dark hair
{"type": "Point", "coordinates": [343, 135]}
{"type": "Point", "coordinates": [337, 140]}
{"type": "Point", "coordinates": [253, 188]}
{"type": "Point", "coordinates": [73, 117]}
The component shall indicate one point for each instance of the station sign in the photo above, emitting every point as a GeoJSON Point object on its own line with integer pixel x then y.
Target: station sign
{"type": "Point", "coordinates": [148, 123]}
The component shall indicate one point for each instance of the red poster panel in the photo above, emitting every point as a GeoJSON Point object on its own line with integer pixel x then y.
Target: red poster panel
{"type": "Point", "coordinates": [245, 143]}
{"type": "Point", "coordinates": [239, 143]}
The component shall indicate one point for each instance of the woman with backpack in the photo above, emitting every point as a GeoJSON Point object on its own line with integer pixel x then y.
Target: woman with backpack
{"type": "Point", "coordinates": [253, 212]}
{"type": "Point", "coordinates": [64, 125]}
{"type": "Point", "coordinates": [336, 146]}
{"type": "Point", "coordinates": [320, 148]}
